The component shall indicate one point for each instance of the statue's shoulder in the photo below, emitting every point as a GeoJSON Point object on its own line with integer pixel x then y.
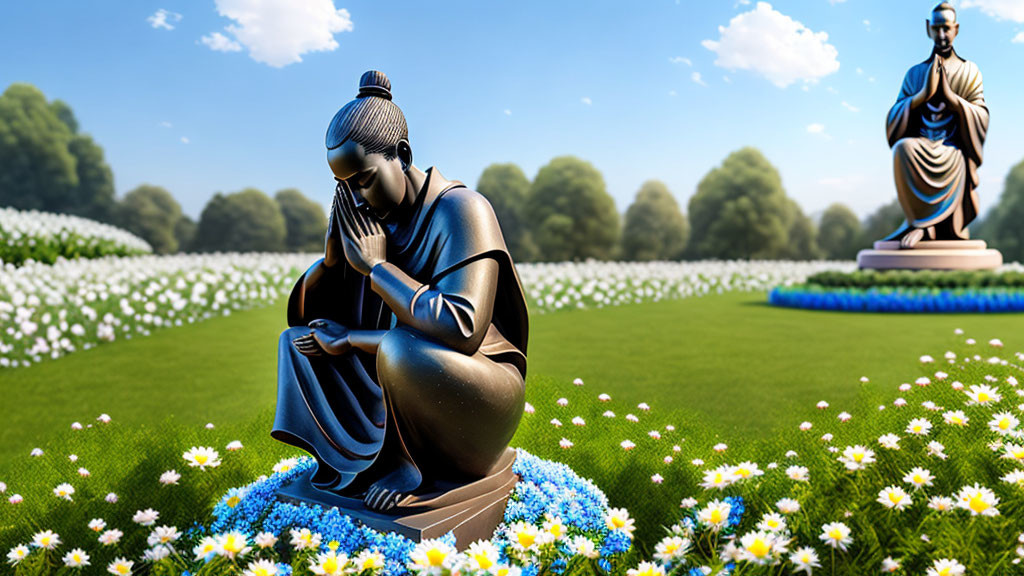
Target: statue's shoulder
{"type": "Point", "coordinates": [460, 203]}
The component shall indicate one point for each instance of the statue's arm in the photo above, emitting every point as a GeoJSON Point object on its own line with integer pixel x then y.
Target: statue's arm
{"type": "Point", "coordinates": [456, 310]}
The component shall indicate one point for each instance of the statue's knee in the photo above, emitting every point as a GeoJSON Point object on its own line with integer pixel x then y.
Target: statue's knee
{"type": "Point", "coordinates": [399, 349]}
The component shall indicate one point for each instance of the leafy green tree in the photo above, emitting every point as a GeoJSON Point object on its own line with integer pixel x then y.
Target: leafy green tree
{"type": "Point", "coordinates": [37, 168]}
{"type": "Point", "coordinates": [572, 215]}
{"type": "Point", "coordinates": [839, 233]}
{"type": "Point", "coordinates": [655, 228]}
{"type": "Point", "coordinates": [882, 222]}
{"type": "Point", "coordinates": [305, 221]}
{"type": "Point", "coordinates": [1003, 225]}
{"type": "Point", "coordinates": [506, 187]}
{"type": "Point", "coordinates": [185, 233]}
{"type": "Point", "coordinates": [246, 221]}
{"type": "Point", "coordinates": [740, 210]}
{"type": "Point", "coordinates": [45, 164]}
{"type": "Point", "coordinates": [151, 213]}
{"type": "Point", "coordinates": [94, 195]}
{"type": "Point", "coordinates": [803, 241]}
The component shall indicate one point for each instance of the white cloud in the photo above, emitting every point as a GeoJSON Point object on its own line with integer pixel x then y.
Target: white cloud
{"type": "Point", "coordinates": [681, 60]}
{"type": "Point", "coordinates": [726, 79]}
{"type": "Point", "coordinates": [586, 100]}
{"type": "Point", "coordinates": [867, 25]}
{"type": "Point", "coordinates": [279, 32]}
{"type": "Point", "coordinates": [697, 79]}
{"type": "Point", "coordinates": [850, 107]}
{"type": "Point", "coordinates": [775, 46]}
{"type": "Point", "coordinates": [999, 9]}
{"type": "Point", "coordinates": [1019, 38]}
{"type": "Point", "coordinates": [163, 19]}
{"type": "Point", "coordinates": [184, 140]}
{"type": "Point", "coordinates": [507, 112]}
{"type": "Point", "coordinates": [220, 43]}
{"type": "Point", "coordinates": [166, 124]}
{"type": "Point", "coordinates": [860, 71]}
{"type": "Point", "coordinates": [673, 93]}
{"type": "Point", "coordinates": [818, 130]}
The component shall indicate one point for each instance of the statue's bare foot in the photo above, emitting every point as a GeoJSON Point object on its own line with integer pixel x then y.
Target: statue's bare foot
{"type": "Point", "coordinates": [384, 494]}
{"type": "Point", "coordinates": [911, 239]}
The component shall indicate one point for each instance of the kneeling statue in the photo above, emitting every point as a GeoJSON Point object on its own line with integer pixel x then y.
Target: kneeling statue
{"type": "Point", "coordinates": [403, 370]}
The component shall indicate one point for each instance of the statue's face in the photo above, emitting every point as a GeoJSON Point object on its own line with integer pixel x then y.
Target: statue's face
{"type": "Point", "coordinates": [943, 28]}
{"type": "Point", "coordinates": [379, 183]}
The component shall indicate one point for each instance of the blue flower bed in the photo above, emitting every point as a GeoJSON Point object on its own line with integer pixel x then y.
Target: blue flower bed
{"type": "Point", "coordinates": [908, 300]}
{"type": "Point", "coordinates": [545, 487]}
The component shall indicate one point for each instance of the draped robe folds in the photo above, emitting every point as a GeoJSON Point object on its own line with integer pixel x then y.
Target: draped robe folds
{"type": "Point", "coordinates": [937, 151]}
{"type": "Point", "coordinates": [335, 407]}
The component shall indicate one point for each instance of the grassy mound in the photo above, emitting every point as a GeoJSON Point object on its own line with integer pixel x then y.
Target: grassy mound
{"type": "Point", "coordinates": [1009, 277]}
{"type": "Point", "coordinates": [45, 237]}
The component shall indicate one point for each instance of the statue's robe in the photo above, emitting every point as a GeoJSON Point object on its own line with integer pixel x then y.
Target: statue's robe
{"type": "Point", "coordinates": [335, 407]}
{"type": "Point", "coordinates": [937, 152]}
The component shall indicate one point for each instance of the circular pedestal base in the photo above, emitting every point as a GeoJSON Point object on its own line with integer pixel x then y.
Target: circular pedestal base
{"type": "Point", "coordinates": [931, 255]}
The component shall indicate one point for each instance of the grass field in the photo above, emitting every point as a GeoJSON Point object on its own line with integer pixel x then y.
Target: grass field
{"type": "Point", "coordinates": [721, 368]}
{"type": "Point", "coordinates": [743, 364]}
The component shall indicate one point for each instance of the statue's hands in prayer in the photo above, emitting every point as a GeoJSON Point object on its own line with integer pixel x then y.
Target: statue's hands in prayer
{"type": "Point", "coordinates": [328, 337]}
{"type": "Point", "coordinates": [364, 241]}
{"type": "Point", "coordinates": [947, 93]}
{"type": "Point", "coordinates": [932, 84]}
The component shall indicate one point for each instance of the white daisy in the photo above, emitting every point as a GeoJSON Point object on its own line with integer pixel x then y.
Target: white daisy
{"type": "Point", "coordinates": [202, 457]}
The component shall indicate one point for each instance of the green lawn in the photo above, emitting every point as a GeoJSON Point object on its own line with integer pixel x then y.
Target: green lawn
{"type": "Point", "coordinates": [730, 357]}
{"type": "Point", "coordinates": [719, 369]}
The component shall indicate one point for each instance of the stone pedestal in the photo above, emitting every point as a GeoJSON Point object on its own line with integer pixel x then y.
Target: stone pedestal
{"type": "Point", "coordinates": [471, 511]}
{"type": "Point", "coordinates": [931, 255]}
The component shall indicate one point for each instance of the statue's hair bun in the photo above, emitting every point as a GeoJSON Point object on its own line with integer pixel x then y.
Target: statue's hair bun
{"type": "Point", "coordinates": [374, 83]}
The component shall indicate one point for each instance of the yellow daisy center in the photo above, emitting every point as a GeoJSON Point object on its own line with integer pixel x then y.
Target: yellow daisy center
{"type": "Point", "coordinates": [330, 565]}
{"type": "Point", "coordinates": [233, 501]}
{"type": "Point", "coordinates": [1004, 424]}
{"type": "Point", "coordinates": [671, 547]}
{"type": "Point", "coordinates": [436, 557]}
{"type": "Point", "coordinates": [858, 456]}
{"type": "Point", "coordinates": [835, 534]}
{"type": "Point", "coordinates": [716, 516]}
{"type": "Point", "coordinates": [122, 569]}
{"type": "Point", "coordinates": [261, 571]}
{"type": "Point", "coordinates": [483, 561]}
{"type": "Point", "coordinates": [978, 504]}
{"type": "Point", "coordinates": [202, 458]}
{"type": "Point", "coordinates": [895, 497]}
{"type": "Point", "coordinates": [526, 539]}
{"type": "Point", "coordinates": [618, 521]}
{"type": "Point", "coordinates": [983, 397]}
{"type": "Point", "coordinates": [759, 548]}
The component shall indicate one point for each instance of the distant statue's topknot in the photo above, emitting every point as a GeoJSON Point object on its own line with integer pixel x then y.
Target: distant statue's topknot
{"type": "Point", "coordinates": [372, 119]}
{"type": "Point", "coordinates": [374, 83]}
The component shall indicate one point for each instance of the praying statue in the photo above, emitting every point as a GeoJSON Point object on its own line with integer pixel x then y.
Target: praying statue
{"type": "Point", "coordinates": [936, 130]}
{"type": "Point", "coordinates": [403, 370]}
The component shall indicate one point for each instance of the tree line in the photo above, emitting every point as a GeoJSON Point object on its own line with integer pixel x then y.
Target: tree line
{"type": "Point", "coordinates": [740, 209]}
{"type": "Point", "coordinates": [48, 164]}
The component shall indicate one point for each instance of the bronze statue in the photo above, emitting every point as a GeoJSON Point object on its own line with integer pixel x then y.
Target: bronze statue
{"type": "Point", "coordinates": [936, 130]}
{"type": "Point", "coordinates": [403, 370]}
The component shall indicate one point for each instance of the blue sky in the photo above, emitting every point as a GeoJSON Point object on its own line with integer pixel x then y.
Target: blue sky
{"type": "Point", "coordinates": [202, 96]}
